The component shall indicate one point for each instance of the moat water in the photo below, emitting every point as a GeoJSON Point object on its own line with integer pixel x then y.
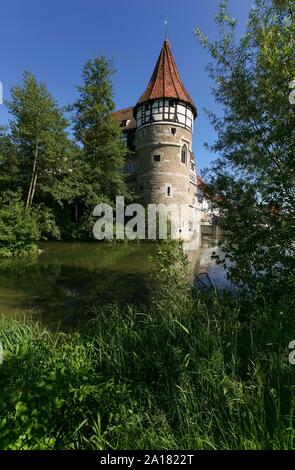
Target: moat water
{"type": "Point", "coordinates": [57, 286]}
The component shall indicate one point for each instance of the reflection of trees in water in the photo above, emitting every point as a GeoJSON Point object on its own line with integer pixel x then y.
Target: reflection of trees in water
{"type": "Point", "coordinates": [30, 276]}
{"type": "Point", "coordinates": [71, 295]}
{"type": "Point", "coordinates": [97, 255]}
{"type": "Point", "coordinates": [61, 285]}
{"type": "Point", "coordinates": [17, 265]}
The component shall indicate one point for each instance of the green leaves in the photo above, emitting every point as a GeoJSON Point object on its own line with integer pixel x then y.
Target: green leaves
{"type": "Point", "coordinates": [254, 171]}
{"type": "Point", "coordinates": [19, 231]}
{"type": "Point", "coordinates": [38, 142]}
{"type": "Point", "coordinates": [60, 179]}
{"type": "Point", "coordinates": [103, 153]}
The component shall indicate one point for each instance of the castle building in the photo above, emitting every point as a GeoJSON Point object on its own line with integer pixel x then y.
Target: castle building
{"type": "Point", "coordinates": [158, 131]}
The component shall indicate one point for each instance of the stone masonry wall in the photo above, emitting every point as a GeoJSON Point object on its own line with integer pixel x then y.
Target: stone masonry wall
{"type": "Point", "coordinates": [153, 178]}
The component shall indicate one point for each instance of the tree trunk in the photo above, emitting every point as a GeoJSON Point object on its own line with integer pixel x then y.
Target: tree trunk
{"type": "Point", "coordinates": [33, 190]}
{"type": "Point", "coordinates": [33, 179]}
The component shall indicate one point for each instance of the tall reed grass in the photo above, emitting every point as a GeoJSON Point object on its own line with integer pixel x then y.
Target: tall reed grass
{"type": "Point", "coordinates": [193, 370]}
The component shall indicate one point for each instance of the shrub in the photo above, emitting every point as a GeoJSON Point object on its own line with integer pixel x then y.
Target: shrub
{"type": "Point", "coordinates": [19, 230]}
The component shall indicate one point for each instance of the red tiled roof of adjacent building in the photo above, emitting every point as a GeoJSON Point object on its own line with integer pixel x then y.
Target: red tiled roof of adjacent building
{"type": "Point", "coordinates": [202, 185]}
{"type": "Point", "coordinates": [125, 118]}
{"type": "Point", "coordinates": [166, 81]}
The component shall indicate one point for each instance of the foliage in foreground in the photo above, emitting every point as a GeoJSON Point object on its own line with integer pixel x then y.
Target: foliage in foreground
{"type": "Point", "coordinates": [191, 371]}
{"type": "Point", "coordinates": [254, 173]}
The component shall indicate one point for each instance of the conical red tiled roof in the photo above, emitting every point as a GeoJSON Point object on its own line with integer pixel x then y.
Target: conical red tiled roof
{"type": "Point", "coordinates": [166, 81]}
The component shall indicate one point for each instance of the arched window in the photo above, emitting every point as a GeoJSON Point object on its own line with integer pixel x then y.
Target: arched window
{"type": "Point", "coordinates": [184, 154]}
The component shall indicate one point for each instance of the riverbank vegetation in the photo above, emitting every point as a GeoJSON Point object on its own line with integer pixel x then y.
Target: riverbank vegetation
{"type": "Point", "coordinates": [19, 230]}
{"type": "Point", "coordinates": [58, 178]}
{"type": "Point", "coordinates": [194, 370]}
{"type": "Point", "coordinates": [252, 178]}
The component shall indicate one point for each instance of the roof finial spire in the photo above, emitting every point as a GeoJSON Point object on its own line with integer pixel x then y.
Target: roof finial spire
{"type": "Point", "coordinates": [166, 28]}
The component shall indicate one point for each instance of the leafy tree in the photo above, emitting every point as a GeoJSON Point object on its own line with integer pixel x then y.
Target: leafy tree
{"type": "Point", "coordinates": [99, 134]}
{"type": "Point", "coordinates": [39, 140]}
{"type": "Point", "coordinates": [8, 161]}
{"type": "Point", "coordinates": [255, 173]}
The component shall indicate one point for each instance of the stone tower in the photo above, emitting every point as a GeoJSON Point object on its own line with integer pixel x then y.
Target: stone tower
{"type": "Point", "coordinates": [164, 117]}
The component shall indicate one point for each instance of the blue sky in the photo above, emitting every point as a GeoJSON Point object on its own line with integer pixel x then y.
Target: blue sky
{"type": "Point", "coordinates": [54, 38]}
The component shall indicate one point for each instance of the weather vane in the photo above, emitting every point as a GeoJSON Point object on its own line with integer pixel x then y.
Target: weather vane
{"type": "Point", "coordinates": [166, 28]}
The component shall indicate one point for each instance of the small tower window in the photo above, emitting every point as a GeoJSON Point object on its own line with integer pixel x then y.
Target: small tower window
{"type": "Point", "coordinates": [184, 154]}
{"type": "Point", "coordinates": [173, 130]}
{"type": "Point", "coordinates": [171, 103]}
{"type": "Point", "coordinates": [147, 107]}
{"type": "Point", "coordinates": [157, 158]}
{"type": "Point", "coordinates": [168, 191]}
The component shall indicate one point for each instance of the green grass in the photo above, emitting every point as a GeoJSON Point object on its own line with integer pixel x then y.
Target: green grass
{"type": "Point", "coordinates": [194, 370]}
